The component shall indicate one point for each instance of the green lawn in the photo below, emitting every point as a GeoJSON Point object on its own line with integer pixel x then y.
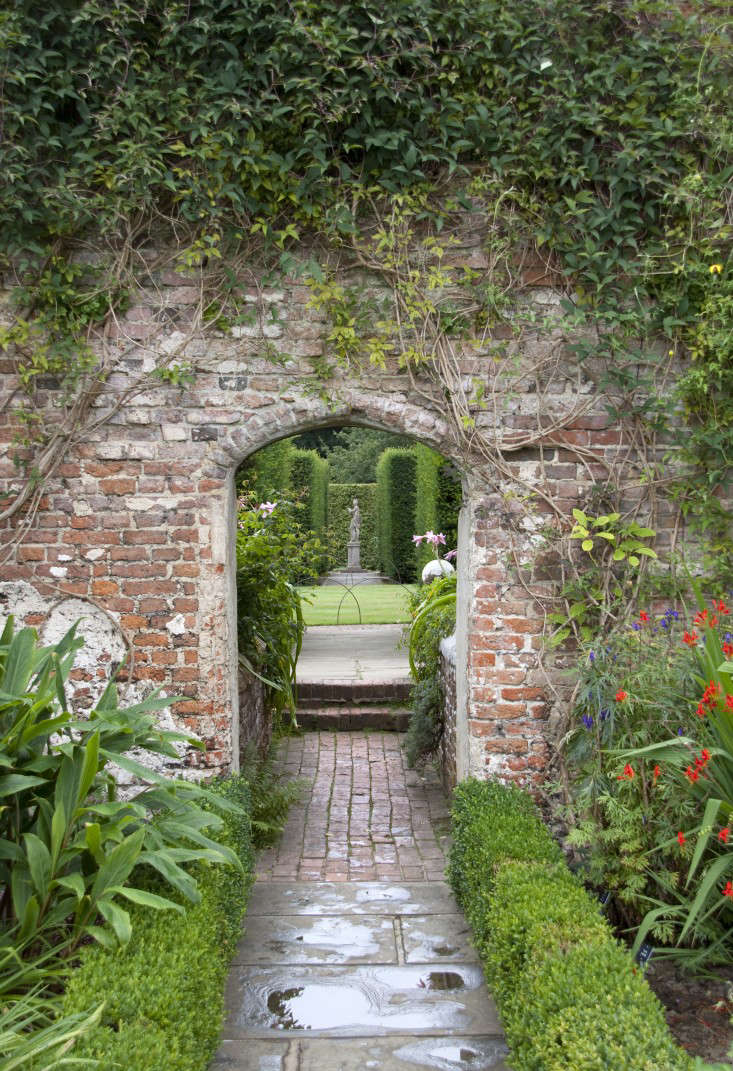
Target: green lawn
{"type": "Point", "coordinates": [380, 604]}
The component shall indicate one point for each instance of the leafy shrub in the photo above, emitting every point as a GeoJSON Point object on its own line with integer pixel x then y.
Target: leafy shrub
{"type": "Point", "coordinates": [69, 845]}
{"type": "Point", "coordinates": [164, 991]}
{"type": "Point", "coordinates": [650, 773]}
{"type": "Point", "coordinates": [271, 554]}
{"type": "Point", "coordinates": [569, 995]}
{"type": "Point", "coordinates": [396, 470]}
{"type": "Point", "coordinates": [271, 796]}
{"type": "Point", "coordinates": [433, 617]}
{"type": "Point", "coordinates": [340, 497]}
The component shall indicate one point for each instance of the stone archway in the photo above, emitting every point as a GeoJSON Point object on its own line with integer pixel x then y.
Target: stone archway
{"type": "Point", "coordinates": [385, 414]}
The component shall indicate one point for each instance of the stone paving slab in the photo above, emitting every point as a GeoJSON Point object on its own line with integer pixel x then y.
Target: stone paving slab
{"type": "Point", "coordinates": [356, 1054]}
{"type": "Point", "coordinates": [437, 939]}
{"type": "Point", "coordinates": [346, 1001]}
{"type": "Point", "coordinates": [352, 898]}
{"type": "Point", "coordinates": [300, 939]}
{"type": "Point", "coordinates": [353, 652]}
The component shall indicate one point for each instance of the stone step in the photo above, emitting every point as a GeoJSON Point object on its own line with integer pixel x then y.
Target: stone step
{"type": "Point", "coordinates": [352, 692]}
{"type": "Point", "coordinates": [348, 718]}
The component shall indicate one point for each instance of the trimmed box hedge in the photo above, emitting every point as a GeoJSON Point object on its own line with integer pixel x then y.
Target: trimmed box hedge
{"type": "Point", "coordinates": [569, 994]}
{"type": "Point", "coordinates": [164, 991]}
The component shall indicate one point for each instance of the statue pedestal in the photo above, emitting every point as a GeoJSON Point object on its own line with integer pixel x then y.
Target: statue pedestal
{"type": "Point", "coordinates": [354, 555]}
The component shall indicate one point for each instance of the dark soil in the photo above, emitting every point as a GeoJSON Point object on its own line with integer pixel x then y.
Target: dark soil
{"type": "Point", "coordinates": [698, 1010]}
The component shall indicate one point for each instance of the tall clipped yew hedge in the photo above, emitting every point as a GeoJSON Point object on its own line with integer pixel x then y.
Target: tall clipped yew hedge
{"type": "Point", "coordinates": [340, 496]}
{"type": "Point", "coordinates": [309, 484]}
{"type": "Point", "coordinates": [396, 478]}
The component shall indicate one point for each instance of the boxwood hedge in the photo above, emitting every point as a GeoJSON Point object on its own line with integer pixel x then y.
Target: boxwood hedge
{"type": "Point", "coordinates": [163, 991]}
{"type": "Point", "coordinates": [568, 992]}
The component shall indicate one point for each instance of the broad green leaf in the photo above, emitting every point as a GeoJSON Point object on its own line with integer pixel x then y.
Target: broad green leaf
{"type": "Point", "coordinates": [118, 863]}
{"type": "Point", "coordinates": [39, 863]}
{"type": "Point", "coordinates": [11, 784]}
{"type": "Point", "coordinates": [118, 919]}
{"type": "Point", "coordinates": [74, 882]}
{"type": "Point", "coordinates": [148, 899]}
{"type": "Point", "coordinates": [105, 939]}
{"type": "Point", "coordinates": [711, 813]}
{"type": "Point", "coordinates": [587, 544]}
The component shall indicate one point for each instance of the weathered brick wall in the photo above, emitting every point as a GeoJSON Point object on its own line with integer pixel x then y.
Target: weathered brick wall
{"type": "Point", "coordinates": [140, 518]}
{"type": "Point", "coordinates": [255, 723]}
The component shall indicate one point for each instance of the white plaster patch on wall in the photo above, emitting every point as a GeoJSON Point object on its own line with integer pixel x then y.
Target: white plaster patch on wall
{"type": "Point", "coordinates": [177, 625]}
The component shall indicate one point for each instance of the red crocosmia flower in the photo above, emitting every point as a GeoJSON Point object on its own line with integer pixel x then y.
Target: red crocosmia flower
{"type": "Point", "coordinates": [691, 775]}
{"type": "Point", "coordinates": [657, 772]}
{"type": "Point", "coordinates": [705, 755]}
{"type": "Point", "coordinates": [628, 773]}
{"type": "Point", "coordinates": [721, 607]}
{"type": "Point", "coordinates": [729, 702]}
{"type": "Point", "coordinates": [644, 616]}
{"type": "Point", "coordinates": [728, 890]}
{"type": "Point", "coordinates": [680, 838]}
{"type": "Point", "coordinates": [690, 638]}
{"type": "Point", "coordinates": [724, 834]}
{"type": "Point", "coordinates": [728, 649]}
{"type": "Point", "coordinates": [621, 695]}
{"type": "Point", "coordinates": [701, 710]}
{"type": "Point", "coordinates": [701, 617]}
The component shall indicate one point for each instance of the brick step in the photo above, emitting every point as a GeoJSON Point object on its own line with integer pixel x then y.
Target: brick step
{"type": "Point", "coordinates": [351, 692]}
{"type": "Point", "coordinates": [354, 718]}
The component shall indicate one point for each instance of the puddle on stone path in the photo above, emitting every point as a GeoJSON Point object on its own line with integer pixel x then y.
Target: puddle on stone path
{"type": "Point", "coordinates": [300, 939]}
{"type": "Point", "coordinates": [375, 999]}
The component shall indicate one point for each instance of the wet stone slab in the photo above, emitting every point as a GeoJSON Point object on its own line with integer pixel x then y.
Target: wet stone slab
{"type": "Point", "coordinates": [301, 939]}
{"type": "Point", "coordinates": [437, 939]}
{"type": "Point", "coordinates": [357, 1054]}
{"type": "Point", "coordinates": [364, 1001]}
{"type": "Point", "coordinates": [352, 898]}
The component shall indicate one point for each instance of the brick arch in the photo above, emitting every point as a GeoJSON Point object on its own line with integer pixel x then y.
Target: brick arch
{"type": "Point", "coordinates": [366, 409]}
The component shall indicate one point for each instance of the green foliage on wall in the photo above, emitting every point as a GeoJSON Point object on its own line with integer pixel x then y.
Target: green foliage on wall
{"type": "Point", "coordinates": [340, 496]}
{"type": "Point", "coordinates": [396, 474]}
{"type": "Point", "coordinates": [309, 485]}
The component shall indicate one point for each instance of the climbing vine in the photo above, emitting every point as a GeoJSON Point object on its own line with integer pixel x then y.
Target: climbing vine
{"type": "Point", "coordinates": [219, 141]}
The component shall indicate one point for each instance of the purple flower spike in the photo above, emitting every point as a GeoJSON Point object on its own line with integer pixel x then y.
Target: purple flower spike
{"type": "Point", "coordinates": [636, 626]}
{"type": "Point", "coordinates": [588, 721]}
{"type": "Point", "coordinates": [592, 656]}
{"type": "Point", "coordinates": [680, 732]}
{"type": "Point", "coordinates": [604, 714]}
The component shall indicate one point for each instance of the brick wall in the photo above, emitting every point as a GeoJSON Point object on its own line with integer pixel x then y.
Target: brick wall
{"type": "Point", "coordinates": [139, 519]}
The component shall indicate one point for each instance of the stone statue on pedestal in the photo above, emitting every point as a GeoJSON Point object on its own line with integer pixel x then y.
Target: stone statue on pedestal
{"type": "Point", "coordinates": [354, 544]}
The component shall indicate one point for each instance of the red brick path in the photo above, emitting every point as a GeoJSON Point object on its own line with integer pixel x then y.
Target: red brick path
{"type": "Point", "coordinates": [363, 815]}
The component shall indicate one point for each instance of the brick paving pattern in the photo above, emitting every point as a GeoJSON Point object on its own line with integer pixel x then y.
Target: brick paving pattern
{"type": "Point", "coordinates": [363, 815]}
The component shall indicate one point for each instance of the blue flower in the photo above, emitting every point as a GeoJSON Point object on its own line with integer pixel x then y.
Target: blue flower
{"type": "Point", "coordinates": [664, 622]}
{"type": "Point", "coordinates": [680, 732]}
{"type": "Point", "coordinates": [588, 721]}
{"type": "Point", "coordinates": [604, 714]}
{"type": "Point", "coordinates": [592, 656]}
{"type": "Point", "coordinates": [636, 626]}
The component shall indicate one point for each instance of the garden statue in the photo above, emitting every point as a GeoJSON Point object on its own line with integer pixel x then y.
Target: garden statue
{"type": "Point", "coordinates": [355, 528]}
{"type": "Point", "coordinates": [354, 544]}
